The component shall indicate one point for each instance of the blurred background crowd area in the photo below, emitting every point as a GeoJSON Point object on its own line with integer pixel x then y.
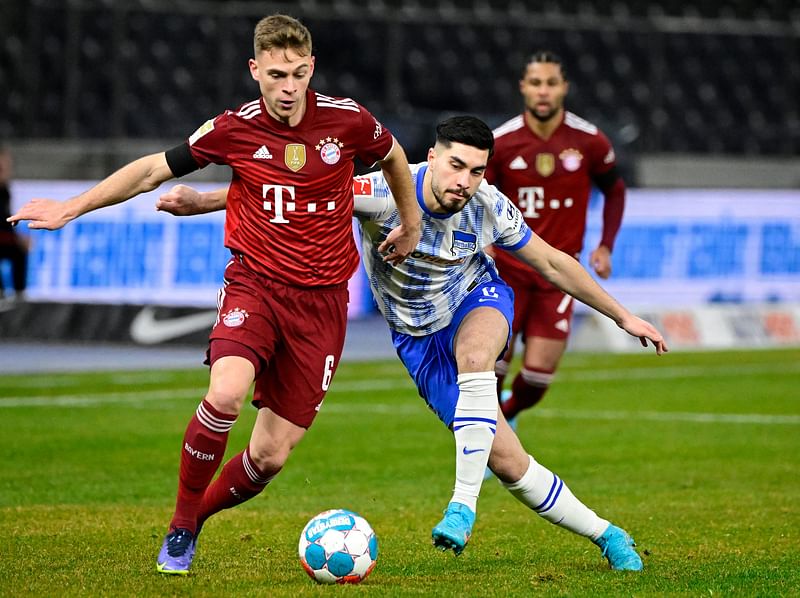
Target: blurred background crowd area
{"type": "Point", "coordinates": [674, 84]}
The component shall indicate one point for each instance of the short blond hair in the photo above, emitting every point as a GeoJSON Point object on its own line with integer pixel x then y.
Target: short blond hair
{"type": "Point", "coordinates": [282, 32]}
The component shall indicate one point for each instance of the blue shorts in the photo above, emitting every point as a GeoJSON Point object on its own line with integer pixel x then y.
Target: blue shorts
{"type": "Point", "coordinates": [431, 360]}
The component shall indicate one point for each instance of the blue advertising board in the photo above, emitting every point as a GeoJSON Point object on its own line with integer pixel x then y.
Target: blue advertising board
{"type": "Point", "coordinates": [675, 248]}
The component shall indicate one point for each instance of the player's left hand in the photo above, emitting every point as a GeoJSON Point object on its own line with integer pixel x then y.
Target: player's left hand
{"type": "Point", "coordinates": [181, 200]}
{"type": "Point", "coordinates": [600, 259]}
{"type": "Point", "coordinates": [399, 244]}
{"type": "Point", "coordinates": [644, 330]}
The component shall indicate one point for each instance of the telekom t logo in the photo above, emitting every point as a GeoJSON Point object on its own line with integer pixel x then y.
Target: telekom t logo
{"type": "Point", "coordinates": [277, 191]}
{"type": "Point", "coordinates": [531, 201]}
{"type": "Point", "coordinates": [280, 200]}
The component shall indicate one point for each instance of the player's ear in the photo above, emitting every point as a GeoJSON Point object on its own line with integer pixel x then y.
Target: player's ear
{"type": "Point", "coordinates": [253, 65]}
{"type": "Point", "coordinates": [311, 68]}
{"type": "Point", "coordinates": [431, 155]}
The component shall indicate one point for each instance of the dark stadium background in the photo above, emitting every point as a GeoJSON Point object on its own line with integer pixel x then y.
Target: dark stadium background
{"type": "Point", "coordinates": [666, 78]}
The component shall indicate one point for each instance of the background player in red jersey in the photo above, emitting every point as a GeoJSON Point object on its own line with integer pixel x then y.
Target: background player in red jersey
{"type": "Point", "coordinates": [283, 307]}
{"type": "Point", "coordinates": [547, 160]}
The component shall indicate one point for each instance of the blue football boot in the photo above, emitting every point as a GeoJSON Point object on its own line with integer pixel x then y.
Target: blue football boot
{"type": "Point", "coordinates": [455, 529]}
{"type": "Point", "coordinates": [617, 547]}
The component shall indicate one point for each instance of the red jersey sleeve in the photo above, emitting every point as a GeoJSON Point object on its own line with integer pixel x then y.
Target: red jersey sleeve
{"type": "Point", "coordinates": [602, 157]}
{"type": "Point", "coordinates": [374, 141]}
{"type": "Point", "coordinates": [209, 142]}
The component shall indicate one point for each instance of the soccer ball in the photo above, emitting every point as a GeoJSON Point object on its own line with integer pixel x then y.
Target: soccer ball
{"type": "Point", "coordinates": [338, 546]}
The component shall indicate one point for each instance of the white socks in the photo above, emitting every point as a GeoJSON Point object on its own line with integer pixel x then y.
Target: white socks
{"type": "Point", "coordinates": [545, 493]}
{"type": "Point", "coordinates": [474, 427]}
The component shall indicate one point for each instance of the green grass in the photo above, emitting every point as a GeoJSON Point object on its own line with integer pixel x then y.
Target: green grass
{"type": "Point", "coordinates": [696, 454]}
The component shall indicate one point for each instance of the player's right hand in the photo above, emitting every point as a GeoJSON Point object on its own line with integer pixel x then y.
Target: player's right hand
{"type": "Point", "coordinates": [399, 243]}
{"type": "Point", "coordinates": [600, 259]}
{"type": "Point", "coordinates": [40, 213]}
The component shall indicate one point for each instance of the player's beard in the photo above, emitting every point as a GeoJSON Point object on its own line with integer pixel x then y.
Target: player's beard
{"type": "Point", "coordinates": [545, 117]}
{"type": "Point", "coordinates": [451, 206]}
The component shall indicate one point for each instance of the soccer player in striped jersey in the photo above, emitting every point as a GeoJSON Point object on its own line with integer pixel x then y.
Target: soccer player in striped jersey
{"type": "Point", "coordinates": [547, 160]}
{"type": "Point", "coordinates": [450, 317]}
{"type": "Point", "coordinates": [283, 307]}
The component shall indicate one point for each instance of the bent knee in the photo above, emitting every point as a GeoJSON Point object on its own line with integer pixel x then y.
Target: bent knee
{"type": "Point", "coordinates": [270, 457]}
{"type": "Point", "coordinates": [479, 359]}
{"type": "Point", "coordinates": [226, 401]}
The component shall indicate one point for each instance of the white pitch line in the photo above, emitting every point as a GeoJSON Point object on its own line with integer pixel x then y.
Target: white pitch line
{"type": "Point", "coordinates": [108, 398]}
{"type": "Point", "coordinates": [687, 371]}
{"type": "Point", "coordinates": [672, 416]}
{"type": "Point", "coordinates": [331, 406]}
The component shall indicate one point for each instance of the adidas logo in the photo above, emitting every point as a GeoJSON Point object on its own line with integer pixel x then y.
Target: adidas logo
{"type": "Point", "coordinates": [518, 164]}
{"type": "Point", "coordinates": [262, 153]}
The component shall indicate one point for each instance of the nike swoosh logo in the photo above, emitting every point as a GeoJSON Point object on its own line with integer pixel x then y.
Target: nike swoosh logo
{"type": "Point", "coordinates": [482, 300]}
{"type": "Point", "coordinates": [467, 451]}
{"type": "Point", "coordinates": [147, 330]}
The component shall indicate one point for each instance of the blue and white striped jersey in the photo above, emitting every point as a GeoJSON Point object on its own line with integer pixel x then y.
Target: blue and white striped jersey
{"type": "Point", "coordinates": [419, 296]}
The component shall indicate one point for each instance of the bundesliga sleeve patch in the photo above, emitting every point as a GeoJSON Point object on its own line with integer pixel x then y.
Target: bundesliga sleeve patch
{"type": "Point", "coordinates": [362, 185]}
{"type": "Point", "coordinates": [205, 128]}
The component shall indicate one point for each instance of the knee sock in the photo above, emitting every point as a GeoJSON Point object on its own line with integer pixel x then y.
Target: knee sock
{"type": "Point", "coordinates": [501, 371]}
{"type": "Point", "coordinates": [239, 481]}
{"type": "Point", "coordinates": [474, 427]}
{"type": "Point", "coordinates": [202, 450]}
{"type": "Point", "coordinates": [527, 389]}
{"type": "Point", "coordinates": [544, 492]}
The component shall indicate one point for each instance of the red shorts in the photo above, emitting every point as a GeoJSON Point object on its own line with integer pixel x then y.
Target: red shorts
{"type": "Point", "coordinates": [293, 335]}
{"type": "Point", "coordinates": [540, 309]}
{"type": "Point", "coordinates": [542, 312]}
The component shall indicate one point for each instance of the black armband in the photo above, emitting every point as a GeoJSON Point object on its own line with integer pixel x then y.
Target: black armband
{"type": "Point", "coordinates": [606, 180]}
{"type": "Point", "coordinates": [180, 160]}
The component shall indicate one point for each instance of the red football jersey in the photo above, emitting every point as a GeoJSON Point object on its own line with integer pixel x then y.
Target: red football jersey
{"type": "Point", "coordinates": [290, 202]}
{"type": "Point", "coordinates": [549, 180]}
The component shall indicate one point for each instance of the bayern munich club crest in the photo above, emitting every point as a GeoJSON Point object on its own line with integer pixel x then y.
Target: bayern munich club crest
{"type": "Point", "coordinates": [330, 150]}
{"type": "Point", "coordinates": [571, 159]}
{"type": "Point", "coordinates": [235, 317]}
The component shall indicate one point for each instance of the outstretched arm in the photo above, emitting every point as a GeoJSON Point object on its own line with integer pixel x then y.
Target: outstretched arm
{"type": "Point", "coordinates": [401, 241]}
{"type": "Point", "coordinates": [144, 174]}
{"type": "Point", "coordinates": [568, 275]}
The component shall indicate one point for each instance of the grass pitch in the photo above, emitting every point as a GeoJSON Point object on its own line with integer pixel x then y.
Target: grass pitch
{"type": "Point", "coordinates": [696, 455]}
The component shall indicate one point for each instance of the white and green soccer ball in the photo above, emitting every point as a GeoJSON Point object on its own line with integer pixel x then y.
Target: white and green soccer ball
{"type": "Point", "coordinates": [338, 546]}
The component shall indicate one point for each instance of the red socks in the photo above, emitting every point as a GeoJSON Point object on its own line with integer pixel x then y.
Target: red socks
{"type": "Point", "coordinates": [239, 481]}
{"type": "Point", "coordinates": [201, 452]}
{"type": "Point", "coordinates": [527, 389]}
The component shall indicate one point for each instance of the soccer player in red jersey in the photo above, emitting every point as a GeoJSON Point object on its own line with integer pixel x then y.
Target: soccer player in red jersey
{"type": "Point", "coordinates": [546, 160]}
{"type": "Point", "coordinates": [283, 307]}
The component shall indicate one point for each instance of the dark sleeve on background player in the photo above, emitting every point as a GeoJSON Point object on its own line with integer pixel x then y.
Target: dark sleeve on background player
{"type": "Point", "coordinates": [613, 189]}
